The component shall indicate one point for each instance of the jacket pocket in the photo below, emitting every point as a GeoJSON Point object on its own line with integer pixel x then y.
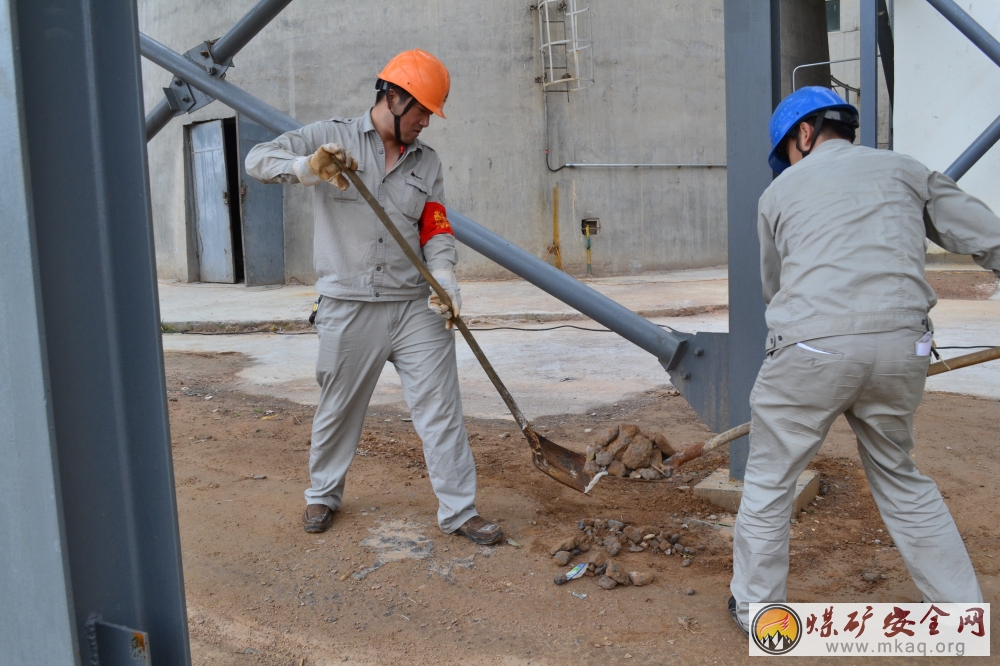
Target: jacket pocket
{"type": "Point", "coordinates": [415, 195]}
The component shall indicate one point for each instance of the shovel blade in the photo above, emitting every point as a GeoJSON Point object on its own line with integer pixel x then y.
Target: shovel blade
{"type": "Point", "coordinates": [560, 463]}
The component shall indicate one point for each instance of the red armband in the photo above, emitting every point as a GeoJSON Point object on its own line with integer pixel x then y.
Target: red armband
{"type": "Point", "coordinates": [433, 221]}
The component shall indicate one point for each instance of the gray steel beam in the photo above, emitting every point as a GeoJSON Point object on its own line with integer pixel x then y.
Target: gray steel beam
{"type": "Point", "coordinates": [81, 315]}
{"type": "Point", "coordinates": [869, 73]}
{"type": "Point", "coordinates": [975, 151]}
{"type": "Point", "coordinates": [158, 118]}
{"type": "Point", "coordinates": [990, 46]}
{"type": "Point", "coordinates": [222, 51]}
{"type": "Point", "coordinates": [750, 85]}
{"type": "Point", "coordinates": [247, 28]}
{"type": "Point", "coordinates": [224, 91]}
{"type": "Point", "coordinates": [640, 331]}
{"type": "Point", "coordinates": [36, 611]}
{"type": "Point", "coordinates": [662, 344]}
{"type": "Point", "coordinates": [968, 26]}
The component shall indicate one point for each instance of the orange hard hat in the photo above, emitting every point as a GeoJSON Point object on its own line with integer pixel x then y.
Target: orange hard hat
{"type": "Point", "coordinates": [422, 75]}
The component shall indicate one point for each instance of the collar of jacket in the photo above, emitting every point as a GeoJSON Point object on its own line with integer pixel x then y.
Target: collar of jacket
{"type": "Point", "coordinates": [366, 125]}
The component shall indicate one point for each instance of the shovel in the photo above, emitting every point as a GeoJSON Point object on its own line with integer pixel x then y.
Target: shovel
{"type": "Point", "coordinates": [560, 463]}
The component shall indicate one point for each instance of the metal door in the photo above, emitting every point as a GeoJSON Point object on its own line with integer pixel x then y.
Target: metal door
{"type": "Point", "coordinates": [211, 203]}
{"type": "Point", "coordinates": [263, 216]}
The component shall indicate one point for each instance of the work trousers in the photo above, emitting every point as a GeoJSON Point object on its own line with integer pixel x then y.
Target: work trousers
{"type": "Point", "coordinates": [356, 338]}
{"type": "Point", "coordinates": [876, 380]}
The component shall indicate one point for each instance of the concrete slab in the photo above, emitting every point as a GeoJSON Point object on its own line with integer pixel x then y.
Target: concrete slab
{"type": "Point", "coordinates": [723, 492]}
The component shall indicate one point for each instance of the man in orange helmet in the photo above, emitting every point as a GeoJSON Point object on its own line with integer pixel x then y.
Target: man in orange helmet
{"type": "Point", "coordinates": [374, 305]}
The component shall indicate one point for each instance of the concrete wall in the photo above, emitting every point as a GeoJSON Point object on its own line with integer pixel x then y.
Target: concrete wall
{"type": "Point", "coordinates": [659, 97]}
{"type": "Point", "coordinates": [947, 92]}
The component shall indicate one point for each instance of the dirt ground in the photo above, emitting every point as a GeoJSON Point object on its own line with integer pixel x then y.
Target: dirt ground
{"type": "Point", "coordinates": [385, 585]}
{"type": "Point", "coordinates": [974, 285]}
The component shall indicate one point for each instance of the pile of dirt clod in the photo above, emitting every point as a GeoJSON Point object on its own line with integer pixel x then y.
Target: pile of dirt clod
{"type": "Point", "coordinates": [626, 451]}
{"type": "Point", "coordinates": [601, 539]}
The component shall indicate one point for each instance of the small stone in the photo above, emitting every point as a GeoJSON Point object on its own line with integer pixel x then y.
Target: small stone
{"type": "Point", "coordinates": [604, 458]}
{"type": "Point", "coordinates": [661, 443]}
{"type": "Point", "coordinates": [617, 468]}
{"type": "Point", "coordinates": [688, 550]}
{"type": "Point", "coordinates": [616, 525]}
{"type": "Point", "coordinates": [612, 545]}
{"type": "Point", "coordinates": [638, 452]}
{"type": "Point", "coordinates": [565, 544]}
{"type": "Point", "coordinates": [559, 579]}
{"type": "Point", "coordinates": [580, 525]}
{"type": "Point", "coordinates": [674, 538]}
{"type": "Point", "coordinates": [607, 583]}
{"type": "Point", "coordinates": [686, 563]}
{"type": "Point", "coordinates": [588, 522]}
{"type": "Point", "coordinates": [640, 578]}
{"type": "Point", "coordinates": [649, 474]}
{"type": "Point", "coordinates": [870, 577]}
{"type": "Point", "coordinates": [609, 437]}
{"type": "Point", "coordinates": [664, 544]}
{"type": "Point", "coordinates": [633, 533]}
{"type": "Point", "coordinates": [592, 450]}
{"type": "Point", "coordinates": [635, 549]}
{"type": "Point", "coordinates": [656, 458]}
{"type": "Point", "coordinates": [689, 591]}
{"type": "Point", "coordinates": [598, 558]}
{"type": "Point", "coordinates": [561, 558]}
{"type": "Point", "coordinates": [583, 547]}
{"type": "Point", "coordinates": [635, 474]}
{"type": "Point", "coordinates": [591, 467]}
{"type": "Point", "coordinates": [615, 571]}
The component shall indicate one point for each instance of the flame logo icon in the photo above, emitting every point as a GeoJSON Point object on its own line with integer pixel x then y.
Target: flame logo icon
{"type": "Point", "coordinates": [776, 629]}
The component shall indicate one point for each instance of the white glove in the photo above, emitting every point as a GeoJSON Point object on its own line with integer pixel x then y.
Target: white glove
{"type": "Point", "coordinates": [321, 166]}
{"type": "Point", "coordinates": [446, 278]}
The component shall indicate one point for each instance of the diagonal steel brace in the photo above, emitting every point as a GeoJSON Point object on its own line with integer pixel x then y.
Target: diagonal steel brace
{"type": "Point", "coordinates": [989, 45]}
{"type": "Point", "coordinates": [214, 57]}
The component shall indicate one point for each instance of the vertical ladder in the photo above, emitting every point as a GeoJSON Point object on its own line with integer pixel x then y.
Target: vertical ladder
{"type": "Point", "coordinates": [566, 45]}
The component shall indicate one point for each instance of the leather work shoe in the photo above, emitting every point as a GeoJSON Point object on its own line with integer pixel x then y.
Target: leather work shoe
{"type": "Point", "coordinates": [480, 531]}
{"type": "Point", "coordinates": [317, 518]}
{"type": "Point", "coordinates": [736, 618]}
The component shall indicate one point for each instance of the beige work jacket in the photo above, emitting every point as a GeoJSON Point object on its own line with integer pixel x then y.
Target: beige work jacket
{"type": "Point", "coordinates": [355, 257]}
{"type": "Point", "coordinates": [842, 242]}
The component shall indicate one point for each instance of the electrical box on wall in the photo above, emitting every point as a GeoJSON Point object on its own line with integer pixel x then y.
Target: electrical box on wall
{"type": "Point", "coordinates": [590, 226]}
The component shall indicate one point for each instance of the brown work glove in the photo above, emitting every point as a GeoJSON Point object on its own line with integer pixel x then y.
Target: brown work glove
{"type": "Point", "coordinates": [323, 165]}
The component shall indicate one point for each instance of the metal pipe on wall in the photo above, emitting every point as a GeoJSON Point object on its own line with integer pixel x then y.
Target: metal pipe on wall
{"type": "Point", "coordinates": [975, 151]}
{"type": "Point", "coordinates": [662, 344]}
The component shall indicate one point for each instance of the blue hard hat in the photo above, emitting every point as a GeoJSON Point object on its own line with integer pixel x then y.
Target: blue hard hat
{"type": "Point", "coordinates": [795, 108]}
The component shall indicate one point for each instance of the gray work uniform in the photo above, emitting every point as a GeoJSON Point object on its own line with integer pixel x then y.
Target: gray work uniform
{"type": "Point", "coordinates": [374, 309]}
{"type": "Point", "coordinates": [842, 263]}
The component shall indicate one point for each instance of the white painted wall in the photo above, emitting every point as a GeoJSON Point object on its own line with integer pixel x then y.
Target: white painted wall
{"type": "Point", "coordinates": [947, 91]}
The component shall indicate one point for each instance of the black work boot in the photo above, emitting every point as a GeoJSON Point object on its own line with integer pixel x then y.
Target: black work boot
{"type": "Point", "coordinates": [480, 531]}
{"type": "Point", "coordinates": [733, 613]}
{"type": "Point", "coordinates": [317, 518]}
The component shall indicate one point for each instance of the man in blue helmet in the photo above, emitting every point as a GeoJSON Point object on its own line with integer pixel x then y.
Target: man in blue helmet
{"type": "Point", "coordinates": [842, 232]}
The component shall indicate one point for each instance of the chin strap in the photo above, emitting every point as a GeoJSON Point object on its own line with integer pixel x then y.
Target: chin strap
{"type": "Point", "coordinates": [397, 118]}
{"type": "Point", "coordinates": [817, 126]}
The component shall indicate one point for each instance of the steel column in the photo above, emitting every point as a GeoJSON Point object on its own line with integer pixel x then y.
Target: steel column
{"type": "Point", "coordinates": [869, 73]}
{"type": "Point", "coordinates": [79, 313]}
{"type": "Point", "coordinates": [36, 614]}
{"type": "Point", "coordinates": [975, 151]}
{"type": "Point", "coordinates": [222, 51]}
{"type": "Point", "coordinates": [750, 86]}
